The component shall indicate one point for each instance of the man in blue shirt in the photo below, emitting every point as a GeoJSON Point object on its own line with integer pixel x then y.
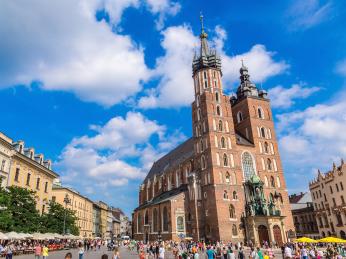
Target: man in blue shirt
{"type": "Point", "coordinates": [210, 253]}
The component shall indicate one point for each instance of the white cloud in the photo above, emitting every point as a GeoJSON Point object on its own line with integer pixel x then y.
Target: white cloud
{"type": "Point", "coordinates": [341, 68]}
{"type": "Point", "coordinates": [121, 151]}
{"type": "Point", "coordinates": [62, 45]}
{"type": "Point", "coordinates": [285, 97]}
{"type": "Point", "coordinates": [313, 137]}
{"type": "Point", "coordinates": [163, 8]}
{"type": "Point", "coordinates": [174, 68]}
{"type": "Point", "coordinates": [305, 14]}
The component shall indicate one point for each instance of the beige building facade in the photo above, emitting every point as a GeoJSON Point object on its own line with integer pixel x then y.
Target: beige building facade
{"type": "Point", "coordinates": [31, 171]}
{"type": "Point", "coordinates": [82, 206]}
{"type": "Point", "coordinates": [328, 196]}
{"type": "Point", "coordinates": [6, 152]}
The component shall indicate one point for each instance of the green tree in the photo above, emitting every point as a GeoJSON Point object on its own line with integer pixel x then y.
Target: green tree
{"type": "Point", "coordinates": [53, 221]}
{"type": "Point", "coordinates": [20, 214]}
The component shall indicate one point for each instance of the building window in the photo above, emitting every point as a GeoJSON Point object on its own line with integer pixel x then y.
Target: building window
{"type": "Point", "coordinates": [234, 230]}
{"type": "Point", "coordinates": [218, 110]}
{"type": "Point", "coordinates": [201, 145]}
{"type": "Point", "coordinates": [180, 224]}
{"type": "Point", "coordinates": [263, 132]}
{"type": "Point", "coordinates": [165, 219]}
{"type": "Point", "coordinates": [334, 202]}
{"type": "Point", "coordinates": [139, 223]}
{"type": "Point", "coordinates": [272, 181]}
{"type": "Point", "coordinates": [206, 84]}
{"type": "Point", "coordinates": [225, 160]}
{"type": "Point", "coordinates": [342, 187]}
{"type": "Point", "coordinates": [231, 212]}
{"type": "Point", "coordinates": [225, 195]}
{"type": "Point", "coordinates": [239, 116]}
{"type": "Point", "coordinates": [46, 187]}
{"type": "Point", "coordinates": [223, 142]}
{"type": "Point", "coordinates": [260, 113]}
{"type": "Point", "coordinates": [248, 165]}
{"type": "Point", "coordinates": [217, 96]}
{"type": "Point", "coordinates": [28, 179]}
{"type": "Point", "coordinates": [342, 200]}
{"type": "Point", "coordinates": [220, 125]}
{"type": "Point", "coordinates": [266, 147]}
{"type": "Point", "coordinates": [203, 164]}
{"type": "Point", "coordinates": [3, 163]}
{"type": "Point", "coordinates": [16, 176]}
{"type": "Point", "coordinates": [227, 178]}
{"type": "Point", "coordinates": [337, 187]}
{"type": "Point", "coordinates": [38, 183]}
{"type": "Point", "coordinates": [235, 196]}
{"type": "Point", "coordinates": [146, 218]}
{"type": "Point", "coordinates": [205, 74]}
{"type": "Point", "coordinates": [331, 189]}
{"type": "Point", "coordinates": [269, 164]}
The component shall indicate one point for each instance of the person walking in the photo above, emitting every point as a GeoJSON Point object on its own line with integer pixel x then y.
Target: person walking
{"type": "Point", "coordinates": [116, 254]}
{"type": "Point", "coordinates": [210, 253]}
{"type": "Point", "coordinates": [161, 252]}
{"type": "Point", "coordinates": [45, 251]}
{"type": "Point", "coordinates": [8, 251]}
{"type": "Point", "coordinates": [81, 251]}
{"type": "Point", "coordinates": [38, 250]}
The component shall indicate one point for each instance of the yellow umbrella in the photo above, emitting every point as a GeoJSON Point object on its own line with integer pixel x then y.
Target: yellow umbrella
{"type": "Point", "coordinates": [331, 240]}
{"type": "Point", "coordinates": [305, 240]}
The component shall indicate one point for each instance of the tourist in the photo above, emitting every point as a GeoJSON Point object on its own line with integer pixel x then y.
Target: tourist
{"type": "Point", "coordinates": [104, 256]}
{"type": "Point", "coordinates": [266, 255]}
{"type": "Point", "coordinates": [8, 251]}
{"type": "Point", "coordinates": [253, 254]}
{"type": "Point", "coordinates": [68, 256]}
{"type": "Point", "coordinates": [81, 251]}
{"type": "Point", "coordinates": [287, 252]}
{"type": "Point", "coordinates": [116, 254]}
{"type": "Point", "coordinates": [259, 253]}
{"type": "Point", "coordinates": [304, 253]}
{"type": "Point", "coordinates": [161, 252]}
{"type": "Point", "coordinates": [45, 251]}
{"type": "Point", "coordinates": [210, 253]}
{"type": "Point", "coordinates": [230, 254]}
{"type": "Point", "coordinates": [241, 253]}
{"type": "Point", "coordinates": [38, 251]}
{"type": "Point", "coordinates": [141, 254]}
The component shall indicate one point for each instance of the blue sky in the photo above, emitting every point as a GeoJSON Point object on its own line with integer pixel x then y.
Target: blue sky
{"type": "Point", "coordinates": [104, 87]}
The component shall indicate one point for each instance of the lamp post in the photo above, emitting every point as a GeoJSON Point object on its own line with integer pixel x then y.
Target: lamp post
{"type": "Point", "coordinates": [67, 200]}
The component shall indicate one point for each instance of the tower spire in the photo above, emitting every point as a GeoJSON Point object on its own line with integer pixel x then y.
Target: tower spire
{"type": "Point", "coordinates": [201, 19]}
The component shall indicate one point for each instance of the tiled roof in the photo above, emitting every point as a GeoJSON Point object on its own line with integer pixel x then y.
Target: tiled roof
{"type": "Point", "coordinates": [174, 157]}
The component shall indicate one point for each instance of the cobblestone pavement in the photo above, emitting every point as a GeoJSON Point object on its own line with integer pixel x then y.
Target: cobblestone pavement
{"type": "Point", "coordinates": [124, 253]}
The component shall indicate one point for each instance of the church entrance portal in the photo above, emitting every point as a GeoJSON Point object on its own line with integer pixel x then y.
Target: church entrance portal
{"type": "Point", "coordinates": [263, 234]}
{"type": "Point", "coordinates": [277, 235]}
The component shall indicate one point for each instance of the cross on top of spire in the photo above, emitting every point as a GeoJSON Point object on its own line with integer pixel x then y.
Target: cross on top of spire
{"type": "Point", "coordinates": [201, 19]}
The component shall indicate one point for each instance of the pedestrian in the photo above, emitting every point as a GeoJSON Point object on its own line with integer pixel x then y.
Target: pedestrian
{"type": "Point", "coordinates": [259, 253]}
{"type": "Point", "coordinates": [241, 253]}
{"type": "Point", "coordinates": [45, 251]}
{"type": "Point", "coordinates": [81, 251]}
{"type": "Point", "coordinates": [116, 254]}
{"type": "Point", "coordinates": [38, 250]}
{"type": "Point", "coordinates": [8, 251]}
{"type": "Point", "coordinates": [253, 254]}
{"type": "Point", "coordinates": [230, 254]}
{"type": "Point", "coordinates": [141, 254]}
{"type": "Point", "coordinates": [161, 252]}
{"type": "Point", "coordinates": [68, 256]}
{"type": "Point", "coordinates": [104, 256]}
{"type": "Point", "coordinates": [210, 253]}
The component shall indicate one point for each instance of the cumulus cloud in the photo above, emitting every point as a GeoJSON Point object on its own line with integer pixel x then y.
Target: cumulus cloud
{"type": "Point", "coordinates": [163, 8]}
{"type": "Point", "coordinates": [175, 88]}
{"type": "Point", "coordinates": [62, 45]}
{"type": "Point", "coordinates": [313, 137]}
{"type": "Point", "coordinates": [105, 159]}
{"type": "Point", "coordinates": [305, 14]}
{"type": "Point", "coordinates": [285, 97]}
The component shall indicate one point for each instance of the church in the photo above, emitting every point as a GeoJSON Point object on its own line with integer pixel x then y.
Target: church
{"type": "Point", "coordinates": [226, 182]}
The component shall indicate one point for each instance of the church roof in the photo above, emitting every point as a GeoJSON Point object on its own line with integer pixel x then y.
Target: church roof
{"type": "Point", "coordinates": [174, 157]}
{"type": "Point", "coordinates": [165, 196]}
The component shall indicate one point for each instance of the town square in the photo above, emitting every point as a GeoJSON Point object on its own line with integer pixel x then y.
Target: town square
{"type": "Point", "coordinates": [172, 129]}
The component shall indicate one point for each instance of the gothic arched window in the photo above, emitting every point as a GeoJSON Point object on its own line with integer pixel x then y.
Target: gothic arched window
{"type": "Point", "coordinates": [217, 97]}
{"type": "Point", "coordinates": [225, 160]}
{"type": "Point", "coordinates": [263, 132]}
{"type": "Point", "coordinates": [155, 220]}
{"type": "Point", "coordinates": [165, 219]}
{"type": "Point", "coordinates": [272, 181]}
{"type": "Point", "coordinates": [269, 164]}
{"type": "Point", "coordinates": [231, 212]}
{"type": "Point", "coordinates": [225, 195]}
{"type": "Point", "coordinates": [203, 164]}
{"type": "Point", "coordinates": [260, 113]}
{"type": "Point", "coordinates": [248, 165]}
{"type": "Point", "coordinates": [201, 145]}
{"type": "Point", "coordinates": [235, 196]}
{"type": "Point", "coordinates": [266, 147]}
{"type": "Point", "coordinates": [223, 142]}
{"type": "Point", "coordinates": [139, 223]}
{"type": "Point", "coordinates": [239, 116]}
{"type": "Point", "coordinates": [228, 178]}
{"type": "Point", "coordinates": [220, 125]}
{"type": "Point", "coordinates": [234, 230]}
{"type": "Point", "coordinates": [218, 110]}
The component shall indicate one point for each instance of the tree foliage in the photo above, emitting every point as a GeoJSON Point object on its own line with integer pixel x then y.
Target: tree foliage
{"type": "Point", "coordinates": [18, 213]}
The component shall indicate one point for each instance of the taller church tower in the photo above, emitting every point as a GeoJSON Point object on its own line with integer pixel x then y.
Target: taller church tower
{"type": "Point", "coordinates": [235, 145]}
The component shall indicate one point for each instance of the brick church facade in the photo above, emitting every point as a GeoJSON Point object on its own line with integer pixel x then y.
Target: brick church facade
{"type": "Point", "coordinates": [226, 182]}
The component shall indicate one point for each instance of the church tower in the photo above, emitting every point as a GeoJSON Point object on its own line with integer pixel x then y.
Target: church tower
{"type": "Point", "coordinates": [214, 144]}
